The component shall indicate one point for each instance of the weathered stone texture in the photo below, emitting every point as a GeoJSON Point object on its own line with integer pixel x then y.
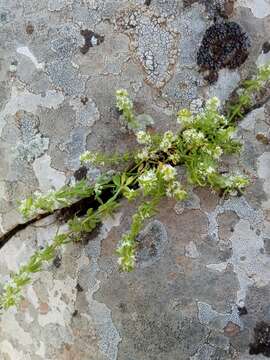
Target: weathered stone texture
{"type": "Point", "coordinates": [200, 262]}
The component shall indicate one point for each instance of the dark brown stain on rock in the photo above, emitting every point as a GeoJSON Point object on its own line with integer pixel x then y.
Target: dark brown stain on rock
{"type": "Point", "coordinates": [79, 287]}
{"type": "Point", "coordinates": [57, 261]}
{"type": "Point", "coordinates": [266, 47]}
{"type": "Point", "coordinates": [43, 308]}
{"type": "Point", "coordinates": [262, 138]}
{"type": "Point", "coordinates": [84, 100]}
{"type": "Point", "coordinates": [231, 329]}
{"type": "Point", "coordinates": [91, 39]}
{"type": "Point", "coordinates": [242, 310]}
{"type": "Point", "coordinates": [123, 307]}
{"type": "Point", "coordinates": [189, 2]}
{"type": "Point", "coordinates": [211, 76]}
{"type": "Point", "coordinates": [261, 344]}
{"type": "Point", "coordinates": [224, 45]}
{"type": "Point", "coordinates": [81, 173]}
{"type": "Point", "coordinates": [29, 29]}
{"type": "Point", "coordinates": [75, 313]}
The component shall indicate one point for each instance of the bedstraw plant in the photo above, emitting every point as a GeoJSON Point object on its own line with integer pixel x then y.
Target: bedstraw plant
{"type": "Point", "coordinates": [150, 174]}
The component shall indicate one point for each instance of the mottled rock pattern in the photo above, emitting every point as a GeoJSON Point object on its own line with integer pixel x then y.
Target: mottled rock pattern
{"type": "Point", "coordinates": [201, 262]}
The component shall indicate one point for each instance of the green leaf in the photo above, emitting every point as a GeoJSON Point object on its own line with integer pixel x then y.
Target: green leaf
{"type": "Point", "coordinates": [117, 180]}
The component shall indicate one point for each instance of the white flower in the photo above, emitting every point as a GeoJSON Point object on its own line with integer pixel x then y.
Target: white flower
{"type": "Point", "coordinates": [205, 169]}
{"type": "Point", "coordinates": [98, 188]}
{"type": "Point", "coordinates": [217, 152]}
{"type": "Point", "coordinates": [143, 155]}
{"type": "Point", "coordinates": [180, 194]}
{"type": "Point", "coordinates": [121, 93]}
{"type": "Point", "coordinates": [210, 170]}
{"type": "Point", "coordinates": [88, 156]}
{"type": "Point", "coordinates": [122, 100]}
{"type": "Point", "coordinates": [174, 158]}
{"type": "Point", "coordinates": [175, 190]}
{"type": "Point", "coordinates": [167, 141]}
{"type": "Point", "coordinates": [213, 103]}
{"type": "Point", "coordinates": [193, 136]}
{"type": "Point", "coordinates": [239, 181]}
{"type": "Point", "coordinates": [221, 119]}
{"type": "Point", "coordinates": [143, 138]}
{"type": "Point", "coordinates": [235, 182]}
{"type": "Point", "coordinates": [167, 172]}
{"type": "Point", "coordinates": [126, 262]}
{"type": "Point", "coordinates": [148, 180]}
{"type": "Point", "coordinates": [228, 180]}
{"type": "Point", "coordinates": [185, 117]}
{"type": "Point", "coordinates": [149, 175]}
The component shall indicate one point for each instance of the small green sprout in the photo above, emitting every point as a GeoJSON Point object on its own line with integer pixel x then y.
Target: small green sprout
{"type": "Point", "coordinates": [125, 105]}
{"type": "Point", "coordinates": [67, 195]}
{"type": "Point", "coordinates": [248, 91]}
{"type": "Point", "coordinates": [100, 159]}
{"type": "Point", "coordinates": [13, 289]}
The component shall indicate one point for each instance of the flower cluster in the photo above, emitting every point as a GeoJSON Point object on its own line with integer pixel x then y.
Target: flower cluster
{"type": "Point", "coordinates": [185, 118]}
{"type": "Point", "coordinates": [235, 183]}
{"type": "Point", "coordinates": [213, 104]}
{"type": "Point", "coordinates": [98, 187]}
{"type": "Point", "coordinates": [173, 188]}
{"type": "Point", "coordinates": [142, 155]}
{"type": "Point", "coordinates": [123, 101]}
{"type": "Point", "coordinates": [143, 138]}
{"type": "Point", "coordinates": [205, 137]}
{"type": "Point", "coordinates": [167, 141]}
{"type": "Point", "coordinates": [205, 169]}
{"type": "Point", "coordinates": [193, 137]}
{"type": "Point", "coordinates": [149, 149]}
{"type": "Point", "coordinates": [176, 191]}
{"type": "Point", "coordinates": [175, 158]}
{"type": "Point", "coordinates": [213, 151]}
{"type": "Point", "coordinates": [162, 180]}
{"type": "Point", "coordinates": [125, 105]}
{"type": "Point", "coordinates": [167, 172]}
{"type": "Point", "coordinates": [127, 248]}
{"type": "Point", "coordinates": [216, 152]}
{"type": "Point", "coordinates": [126, 253]}
{"type": "Point", "coordinates": [89, 157]}
{"type": "Point", "coordinates": [148, 181]}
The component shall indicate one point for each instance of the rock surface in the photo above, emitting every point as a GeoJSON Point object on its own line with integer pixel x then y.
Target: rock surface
{"type": "Point", "coordinates": [202, 284]}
